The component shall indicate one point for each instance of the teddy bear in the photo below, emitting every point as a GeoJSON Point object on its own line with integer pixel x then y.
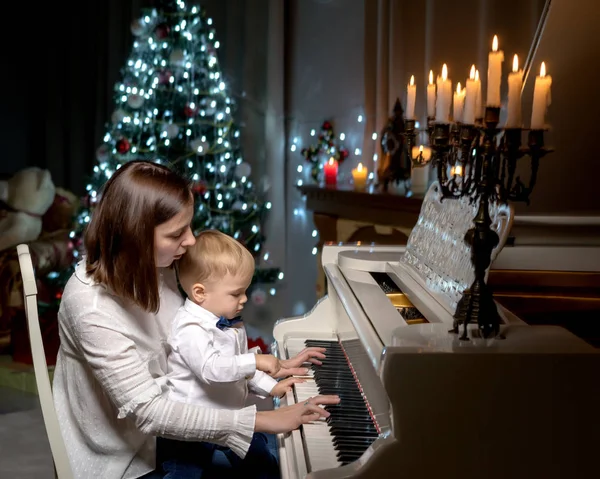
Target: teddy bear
{"type": "Point", "coordinates": [24, 199]}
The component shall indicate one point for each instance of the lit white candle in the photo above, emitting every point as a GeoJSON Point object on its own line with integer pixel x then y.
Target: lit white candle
{"type": "Point", "coordinates": [541, 99]}
{"type": "Point", "coordinates": [411, 96]}
{"type": "Point", "coordinates": [479, 113]}
{"type": "Point", "coordinates": [431, 96]}
{"type": "Point", "coordinates": [458, 103]}
{"type": "Point", "coordinates": [423, 151]}
{"type": "Point", "coordinates": [444, 97]}
{"type": "Point", "coordinates": [472, 91]}
{"type": "Point", "coordinates": [495, 59]}
{"type": "Point", "coordinates": [515, 83]}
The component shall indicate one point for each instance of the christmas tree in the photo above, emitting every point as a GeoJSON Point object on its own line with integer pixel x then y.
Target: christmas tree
{"type": "Point", "coordinates": [172, 107]}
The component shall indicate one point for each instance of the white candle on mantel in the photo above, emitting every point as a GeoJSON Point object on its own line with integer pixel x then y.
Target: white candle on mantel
{"type": "Point", "coordinates": [541, 99]}
{"type": "Point", "coordinates": [495, 59]}
{"type": "Point", "coordinates": [444, 97]}
{"type": "Point", "coordinates": [470, 98]}
{"type": "Point", "coordinates": [431, 96]}
{"type": "Point", "coordinates": [479, 113]}
{"type": "Point", "coordinates": [515, 83]}
{"type": "Point", "coordinates": [458, 103]}
{"type": "Point", "coordinates": [411, 96]}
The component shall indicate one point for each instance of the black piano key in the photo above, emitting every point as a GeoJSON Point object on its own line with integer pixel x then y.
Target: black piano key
{"type": "Point", "coordinates": [350, 424]}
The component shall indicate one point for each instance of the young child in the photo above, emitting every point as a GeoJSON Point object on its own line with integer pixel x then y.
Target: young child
{"type": "Point", "coordinates": [209, 363]}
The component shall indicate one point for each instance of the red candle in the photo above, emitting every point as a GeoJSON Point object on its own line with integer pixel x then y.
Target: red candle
{"type": "Point", "coordinates": [331, 169]}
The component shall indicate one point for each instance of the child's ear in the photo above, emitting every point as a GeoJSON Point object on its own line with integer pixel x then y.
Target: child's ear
{"type": "Point", "coordinates": [198, 293]}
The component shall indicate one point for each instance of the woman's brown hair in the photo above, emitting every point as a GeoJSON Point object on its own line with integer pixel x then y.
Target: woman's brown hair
{"type": "Point", "coordinates": [119, 241]}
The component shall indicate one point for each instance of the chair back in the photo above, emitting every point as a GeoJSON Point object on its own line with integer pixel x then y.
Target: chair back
{"type": "Point", "coordinates": [42, 379]}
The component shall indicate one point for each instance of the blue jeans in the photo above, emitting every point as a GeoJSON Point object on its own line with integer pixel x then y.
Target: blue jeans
{"type": "Point", "coordinates": [195, 460]}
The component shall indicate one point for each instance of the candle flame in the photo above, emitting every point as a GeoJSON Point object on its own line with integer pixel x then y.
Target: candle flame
{"type": "Point", "coordinates": [515, 63]}
{"type": "Point", "coordinates": [444, 72]}
{"type": "Point", "coordinates": [477, 75]}
{"type": "Point", "coordinates": [331, 160]}
{"type": "Point", "coordinates": [421, 149]}
{"type": "Point", "coordinates": [543, 70]}
{"type": "Point", "coordinates": [458, 88]}
{"type": "Point", "coordinates": [412, 80]}
{"type": "Point", "coordinates": [431, 77]}
{"type": "Point", "coordinates": [359, 167]}
{"type": "Point", "coordinates": [495, 44]}
{"type": "Point", "coordinates": [458, 170]}
{"type": "Point", "coordinates": [472, 74]}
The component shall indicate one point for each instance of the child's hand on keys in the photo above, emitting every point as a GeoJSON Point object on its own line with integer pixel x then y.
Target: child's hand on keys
{"type": "Point", "coordinates": [307, 355]}
{"type": "Point", "coordinates": [268, 364]}
{"type": "Point", "coordinates": [284, 386]}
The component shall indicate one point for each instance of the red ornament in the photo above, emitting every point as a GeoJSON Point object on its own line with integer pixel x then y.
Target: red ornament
{"type": "Point", "coordinates": [343, 154]}
{"type": "Point", "coordinates": [326, 126]}
{"type": "Point", "coordinates": [162, 31]}
{"type": "Point", "coordinates": [189, 111]}
{"type": "Point", "coordinates": [199, 188]}
{"type": "Point", "coordinates": [164, 77]}
{"type": "Point", "coordinates": [123, 146]}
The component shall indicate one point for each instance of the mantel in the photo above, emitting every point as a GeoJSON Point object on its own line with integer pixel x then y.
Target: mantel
{"type": "Point", "coordinates": [344, 215]}
{"type": "Point", "coordinates": [368, 206]}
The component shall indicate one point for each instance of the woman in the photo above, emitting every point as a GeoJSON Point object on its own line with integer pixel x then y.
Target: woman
{"type": "Point", "coordinates": [114, 318]}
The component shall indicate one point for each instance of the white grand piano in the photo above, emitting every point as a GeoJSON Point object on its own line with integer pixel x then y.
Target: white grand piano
{"type": "Point", "coordinates": [417, 402]}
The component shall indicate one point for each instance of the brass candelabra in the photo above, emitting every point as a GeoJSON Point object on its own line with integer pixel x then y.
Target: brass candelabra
{"type": "Point", "coordinates": [480, 162]}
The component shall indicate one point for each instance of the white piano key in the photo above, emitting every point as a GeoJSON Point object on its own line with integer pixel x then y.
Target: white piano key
{"type": "Point", "coordinates": [319, 445]}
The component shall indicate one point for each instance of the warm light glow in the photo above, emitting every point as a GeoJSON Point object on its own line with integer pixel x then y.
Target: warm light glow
{"type": "Point", "coordinates": [458, 87]}
{"type": "Point", "coordinates": [421, 149]}
{"type": "Point", "coordinates": [495, 44]}
{"type": "Point", "coordinates": [458, 170]}
{"type": "Point", "coordinates": [431, 77]}
{"type": "Point", "coordinates": [543, 70]}
{"type": "Point", "coordinates": [331, 160]}
{"type": "Point", "coordinates": [444, 72]}
{"type": "Point", "coordinates": [412, 80]}
{"type": "Point", "coordinates": [477, 75]}
{"type": "Point", "coordinates": [515, 63]}
{"type": "Point", "coordinates": [359, 167]}
{"type": "Point", "coordinates": [472, 74]}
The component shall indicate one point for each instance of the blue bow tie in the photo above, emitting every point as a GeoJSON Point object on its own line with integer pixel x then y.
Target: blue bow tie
{"type": "Point", "coordinates": [223, 322]}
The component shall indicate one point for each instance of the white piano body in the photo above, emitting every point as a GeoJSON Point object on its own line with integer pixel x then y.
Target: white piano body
{"type": "Point", "coordinates": [525, 406]}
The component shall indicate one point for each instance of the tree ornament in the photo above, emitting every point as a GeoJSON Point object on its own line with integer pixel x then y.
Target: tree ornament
{"type": "Point", "coordinates": [171, 129]}
{"type": "Point", "coordinates": [258, 297]}
{"type": "Point", "coordinates": [118, 115]}
{"type": "Point", "coordinates": [199, 146]}
{"type": "Point", "coordinates": [123, 146]}
{"type": "Point", "coordinates": [177, 57]}
{"type": "Point", "coordinates": [102, 153]}
{"type": "Point", "coordinates": [243, 170]}
{"type": "Point", "coordinates": [138, 27]}
{"type": "Point", "coordinates": [135, 101]}
{"type": "Point", "coordinates": [199, 188]}
{"type": "Point", "coordinates": [189, 111]}
{"type": "Point", "coordinates": [162, 31]}
{"type": "Point", "coordinates": [164, 77]}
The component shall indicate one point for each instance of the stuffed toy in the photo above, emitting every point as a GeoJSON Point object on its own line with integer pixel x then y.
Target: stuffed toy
{"type": "Point", "coordinates": [24, 199]}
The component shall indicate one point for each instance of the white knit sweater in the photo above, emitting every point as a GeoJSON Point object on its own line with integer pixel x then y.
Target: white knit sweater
{"type": "Point", "coordinates": [110, 387]}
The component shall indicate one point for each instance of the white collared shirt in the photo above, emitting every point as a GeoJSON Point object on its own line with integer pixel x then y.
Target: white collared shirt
{"type": "Point", "coordinates": [209, 366]}
{"type": "Point", "coordinates": [110, 389]}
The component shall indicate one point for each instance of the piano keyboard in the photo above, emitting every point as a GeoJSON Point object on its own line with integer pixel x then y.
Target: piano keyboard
{"type": "Point", "coordinates": [351, 427]}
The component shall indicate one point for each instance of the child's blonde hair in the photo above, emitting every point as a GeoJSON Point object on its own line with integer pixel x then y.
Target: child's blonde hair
{"type": "Point", "coordinates": [213, 256]}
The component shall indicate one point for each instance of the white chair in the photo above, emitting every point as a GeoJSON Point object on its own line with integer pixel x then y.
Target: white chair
{"type": "Point", "coordinates": [42, 379]}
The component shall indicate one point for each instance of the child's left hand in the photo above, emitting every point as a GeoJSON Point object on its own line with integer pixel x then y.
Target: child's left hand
{"type": "Point", "coordinates": [284, 386]}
